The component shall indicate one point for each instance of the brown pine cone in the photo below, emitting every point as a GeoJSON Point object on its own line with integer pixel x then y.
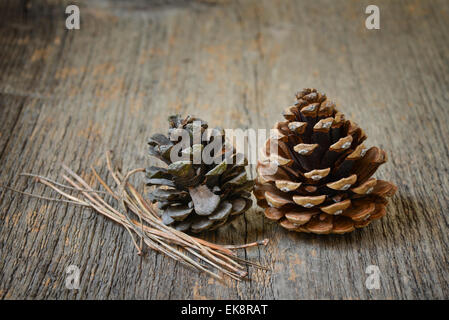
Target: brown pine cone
{"type": "Point", "coordinates": [321, 182]}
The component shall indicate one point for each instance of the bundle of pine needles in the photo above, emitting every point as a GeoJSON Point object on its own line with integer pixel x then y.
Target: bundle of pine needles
{"type": "Point", "coordinates": [141, 220]}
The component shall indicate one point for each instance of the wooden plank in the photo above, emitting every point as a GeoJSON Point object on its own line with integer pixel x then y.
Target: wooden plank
{"type": "Point", "coordinates": [67, 96]}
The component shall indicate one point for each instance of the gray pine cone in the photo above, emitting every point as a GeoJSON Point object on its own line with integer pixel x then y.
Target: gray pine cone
{"type": "Point", "coordinates": [197, 197]}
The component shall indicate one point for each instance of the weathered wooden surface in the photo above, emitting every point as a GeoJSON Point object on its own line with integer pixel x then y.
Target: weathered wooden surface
{"type": "Point", "coordinates": [67, 96]}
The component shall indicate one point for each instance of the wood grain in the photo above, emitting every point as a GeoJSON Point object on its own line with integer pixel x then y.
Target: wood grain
{"type": "Point", "coordinates": [67, 96]}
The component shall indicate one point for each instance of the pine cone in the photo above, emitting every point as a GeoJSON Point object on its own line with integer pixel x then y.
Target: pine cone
{"type": "Point", "coordinates": [197, 197]}
{"type": "Point", "coordinates": [322, 178]}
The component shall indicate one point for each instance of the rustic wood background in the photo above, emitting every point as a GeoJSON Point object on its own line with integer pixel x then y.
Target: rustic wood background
{"type": "Point", "coordinates": [67, 96]}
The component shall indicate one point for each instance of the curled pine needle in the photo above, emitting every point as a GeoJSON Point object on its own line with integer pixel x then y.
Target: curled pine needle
{"type": "Point", "coordinates": [148, 229]}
